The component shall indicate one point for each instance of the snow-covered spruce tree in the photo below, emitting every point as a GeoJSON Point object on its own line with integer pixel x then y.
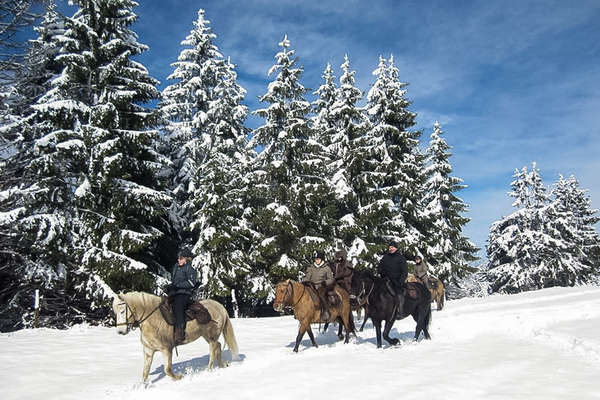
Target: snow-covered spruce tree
{"type": "Point", "coordinates": [105, 142]}
{"type": "Point", "coordinates": [35, 195]}
{"type": "Point", "coordinates": [189, 108]}
{"type": "Point", "coordinates": [521, 254]}
{"type": "Point", "coordinates": [448, 252]}
{"type": "Point", "coordinates": [323, 123]}
{"type": "Point", "coordinates": [350, 125]}
{"type": "Point", "coordinates": [221, 228]}
{"type": "Point", "coordinates": [391, 184]}
{"type": "Point", "coordinates": [570, 221]}
{"type": "Point", "coordinates": [291, 202]}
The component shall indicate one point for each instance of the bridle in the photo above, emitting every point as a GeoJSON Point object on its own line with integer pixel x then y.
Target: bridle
{"type": "Point", "coordinates": [361, 294]}
{"type": "Point", "coordinates": [289, 292]}
{"type": "Point", "coordinates": [136, 321]}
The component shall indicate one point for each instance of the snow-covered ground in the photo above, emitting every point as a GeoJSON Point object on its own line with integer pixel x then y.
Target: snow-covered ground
{"type": "Point", "coordinates": [536, 345]}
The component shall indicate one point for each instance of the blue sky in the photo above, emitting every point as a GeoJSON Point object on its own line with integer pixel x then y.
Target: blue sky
{"type": "Point", "coordinates": [511, 81]}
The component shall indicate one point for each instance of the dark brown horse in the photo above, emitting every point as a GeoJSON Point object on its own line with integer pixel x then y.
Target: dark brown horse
{"type": "Point", "coordinates": [381, 305]}
{"type": "Point", "coordinates": [297, 296]}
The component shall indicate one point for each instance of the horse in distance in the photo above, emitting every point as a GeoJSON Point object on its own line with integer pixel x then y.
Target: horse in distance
{"type": "Point", "coordinates": [436, 288]}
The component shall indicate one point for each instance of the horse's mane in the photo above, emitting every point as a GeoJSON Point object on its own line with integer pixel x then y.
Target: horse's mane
{"type": "Point", "coordinates": [369, 275]}
{"type": "Point", "coordinates": [142, 298]}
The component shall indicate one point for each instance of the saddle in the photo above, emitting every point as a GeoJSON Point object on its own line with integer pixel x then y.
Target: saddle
{"type": "Point", "coordinates": [412, 290]}
{"type": "Point", "coordinates": [194, 311]}
{"type": "Point", "coordinates": [332, 297]}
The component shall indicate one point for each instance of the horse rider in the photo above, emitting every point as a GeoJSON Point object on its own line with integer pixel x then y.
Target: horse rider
{"type": "Point", "coordinates": [321, 277]}
{"type": "Point", "coordinates": [392, 267]}
{"type": "Point", "coordinates": [183, 280]}
{"type": "Point", "coordinates": [342, 270]}
{"type": "Point", "coordinates": [422, 270]}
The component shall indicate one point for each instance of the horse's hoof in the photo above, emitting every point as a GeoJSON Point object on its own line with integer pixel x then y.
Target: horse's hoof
{"type": "Point", "coordinates": [177, 377]}
{"type": "Point", "coordinates": [295, 350]}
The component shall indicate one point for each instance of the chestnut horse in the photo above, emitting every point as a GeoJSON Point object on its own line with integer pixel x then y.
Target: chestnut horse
{"type": "Point", "coordinates": [296, 295]}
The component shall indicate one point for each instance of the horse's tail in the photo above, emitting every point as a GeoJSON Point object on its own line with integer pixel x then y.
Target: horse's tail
{"type": "Point", "coordinates": [229, 336]}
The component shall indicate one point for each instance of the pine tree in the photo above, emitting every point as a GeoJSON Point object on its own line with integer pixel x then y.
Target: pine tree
{"type": "Point", "coordinates": [36, 222]}
{"type": "Point", "coordinates": [393, 183]}
{"type": "Point", "coordinates": [448, 251]}
{"type": "Point", "coordinates": [570, 221]}
{"type": "Point", "coordinates": [350, 125]}
{"type": "Point", "coordinates": [521, 253]}
{"type": "Point", "coordinates": [104, 152]}
{"type": "Point", "coordinates": [322, 122]}
{"type": "Point", "coordinates": [291, 202]}
{"type": "Point", "coordinates": [190, 109]}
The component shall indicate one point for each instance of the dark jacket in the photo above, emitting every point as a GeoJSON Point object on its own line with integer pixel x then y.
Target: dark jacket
{"type": "Point", "coordinates": [393, 266]}
{"type": "Point", "coordinates": [342, 270]}
{"type": "Point", "coordinates": [183, 279]}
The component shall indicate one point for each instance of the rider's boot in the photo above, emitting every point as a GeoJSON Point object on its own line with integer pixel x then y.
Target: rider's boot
{"type": "Point", "coordinates": [400, 304]}
{"type": "Point", "coordinates": [179, 334]}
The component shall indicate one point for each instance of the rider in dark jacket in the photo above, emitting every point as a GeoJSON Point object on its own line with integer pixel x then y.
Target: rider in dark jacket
{"type": "Point", "coordinates": [393, 267]}
{"type": "Point", "coordinates": [183, 280]}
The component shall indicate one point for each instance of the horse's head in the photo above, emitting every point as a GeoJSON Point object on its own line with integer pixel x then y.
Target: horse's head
{"type": "Point", "coordinates": [123, 315]}
{"type": "Point", "coordinates": [360, 288]}
{"type": "Point", "coordinates": [282, 294]}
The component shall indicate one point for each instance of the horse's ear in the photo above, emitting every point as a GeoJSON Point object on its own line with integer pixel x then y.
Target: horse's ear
{"type": "Point", "coordinates": [287, 281]}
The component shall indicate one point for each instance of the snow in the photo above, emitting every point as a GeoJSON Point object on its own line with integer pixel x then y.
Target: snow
{"type": "Point", "coordinates": [535, 345]}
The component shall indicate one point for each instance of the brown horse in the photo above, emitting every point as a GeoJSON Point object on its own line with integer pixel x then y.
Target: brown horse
{"type": "Point", "coordinates": [297, 296]}
{"type": "Point", "coordinates": [437, 291]}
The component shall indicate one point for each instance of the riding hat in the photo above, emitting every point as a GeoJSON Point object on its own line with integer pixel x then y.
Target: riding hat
{"type": "Point", "coordinates": [185, 253]}
{"type": "Point", "coordinates": [393, 243]}
{"type": "Point", "coordinates": [320, 254]}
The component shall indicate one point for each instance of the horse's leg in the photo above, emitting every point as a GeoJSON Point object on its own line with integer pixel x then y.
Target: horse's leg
{"type": "Point", "coordinates": [347, 325]}
{"type": "Point", "coordinates": [419, 327]}
{"type": "Point", "coordinates": [168, 354]}
{"type": "Point", "coordinates": [386, 331]}
{"type": "Point", "coordinates": [377, 325]}
{"type": "Point", "coordinates": [312, 337]}
{"type": "Point", "coordinates": [340, 335]}
{"type": "Point", "coordinates": [359, 312]}
{"type": "Point", "coordinates": [212, 354]}
{"type": "Point", "coordinates": [148, 356]}
{"type": "Point", "coordinates": [216, 355]}
{"type": "Point", "coordinates": [426, 324]}
{"type": "Point", "coordinates": [364, 320]}
{"type": "Point", "coordinates": [440, 303]}
{"type": "Point", "coordinates": [301, 331]}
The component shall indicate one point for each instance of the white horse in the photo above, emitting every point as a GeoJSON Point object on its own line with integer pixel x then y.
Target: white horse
{"type": "Point", "coordinates": [141, 309]}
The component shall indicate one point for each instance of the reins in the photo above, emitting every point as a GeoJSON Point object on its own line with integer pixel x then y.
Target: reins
{"type": "Point", "coordinates": [136, 323]}
{"type": "Point", "coordinates": [368, 294]}
{"type": "Point", "coordinates": [291, 286]}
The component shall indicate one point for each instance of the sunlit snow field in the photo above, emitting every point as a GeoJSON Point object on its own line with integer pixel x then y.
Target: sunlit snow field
{"type": "Point", "coordinates": [536, 345]}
